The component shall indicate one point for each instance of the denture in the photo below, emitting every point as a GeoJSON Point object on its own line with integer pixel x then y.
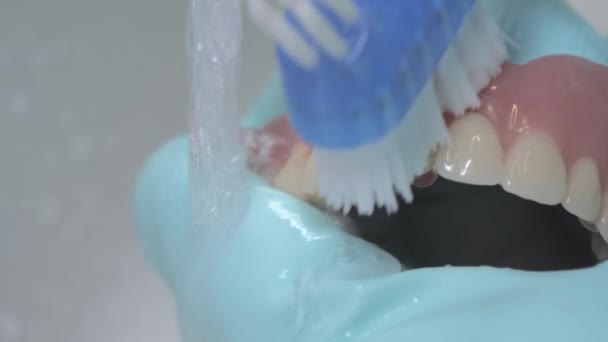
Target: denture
{"type": "Point", "coordinates": [541, 133]}
{"type": "Point", "coordinates": [269, 148]}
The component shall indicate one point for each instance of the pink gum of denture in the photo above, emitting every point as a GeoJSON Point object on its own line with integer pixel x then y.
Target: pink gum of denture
{"type": "Point", "coordinates": [565, 97]}
{"type": "Point", "coordinates": [270, 147]}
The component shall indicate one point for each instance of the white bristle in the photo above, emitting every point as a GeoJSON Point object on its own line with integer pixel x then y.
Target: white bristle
{"type": "Point", "coordinates": [469, 53]}
{"type": "Point", "coordinates": [476, 54]}
{"type": "Point", "coordinates": [274, 23]}
{"type": "Point", "coordinates": [347, 10]}
{"type": "Point", "coordinates": [320, 28]}
{"type": "Point", "coordinates": [454, 85]}
{"type": "Point", "coordinates": [271, 19]}
{"type": "Point", "coordinates": [370, 176]}
{"type": "Point", "coordinates": [490, 35]}
{"type": "Point", "coordinates": [349, 178]}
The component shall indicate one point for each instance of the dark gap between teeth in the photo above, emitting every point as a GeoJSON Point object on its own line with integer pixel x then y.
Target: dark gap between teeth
{"type": "Point", "coordinates": [457, 224]}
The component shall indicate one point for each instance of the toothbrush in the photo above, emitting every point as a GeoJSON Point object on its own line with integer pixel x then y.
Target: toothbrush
{"type": "Point", "coordinates": [368, 81]}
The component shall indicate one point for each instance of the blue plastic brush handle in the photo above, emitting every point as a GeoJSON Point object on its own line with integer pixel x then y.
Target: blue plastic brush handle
{"type": "Point", "coordinates": [394, 47]}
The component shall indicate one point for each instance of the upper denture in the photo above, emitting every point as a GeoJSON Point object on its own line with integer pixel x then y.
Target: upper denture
{"type": "Point", "coordinates": [565, 97]}
{"type": "Point", "coordinates": [541, 132]}
{"type": "Point", "coordinates": [551, 118]}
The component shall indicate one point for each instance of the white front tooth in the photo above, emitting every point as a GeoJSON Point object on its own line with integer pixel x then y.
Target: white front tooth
{"type": "Point", "coordinates": [475, 155]}
{"type": "Point", "coordinates": [602, 222]}
{"type": "Point", "coordinates": [310, 180]}
{"type": "Point", "coordinates": [534, 170]}
{"type": "Point", "coordinates": [289, 178]}
{"type": "Point", "coordinates": [589, 225]}
{"type": "Point", "coordinates": [599, 247]}
{"type": "Point", "coordinates": [583, 196]}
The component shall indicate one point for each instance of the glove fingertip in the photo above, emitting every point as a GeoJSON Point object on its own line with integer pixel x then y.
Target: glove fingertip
{"type": "Point", "coordinates": [161, 201]}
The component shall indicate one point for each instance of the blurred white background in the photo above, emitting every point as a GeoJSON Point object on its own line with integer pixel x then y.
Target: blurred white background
{"type": "Point", "coordinates": [88, 89]}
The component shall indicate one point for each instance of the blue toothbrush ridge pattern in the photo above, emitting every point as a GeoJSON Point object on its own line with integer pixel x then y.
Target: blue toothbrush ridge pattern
{"type": "Point", "coordinates": [394, 49]}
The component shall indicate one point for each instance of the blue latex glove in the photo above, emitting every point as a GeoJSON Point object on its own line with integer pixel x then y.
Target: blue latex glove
{"type": "Point", "coordinates": [290, 274]}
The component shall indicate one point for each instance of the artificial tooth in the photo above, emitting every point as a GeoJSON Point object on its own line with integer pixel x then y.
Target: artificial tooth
{"type": "Point", "coordinates": [310, 181]}
{"type": "Point", "coordinates": [600, 248]}
{"type": "Point", "coordinates": [583, 195]}
{"type": "Point", "coordinates": [534, 170]}
{"type": "Point", "coordinates": [475, 155]}
{"type": "Point", "coordinates": [289, 178]}
{"type": "Point", "coordinates": [589, 225]}
{"type": "Point", "coordinates": [602, 222]}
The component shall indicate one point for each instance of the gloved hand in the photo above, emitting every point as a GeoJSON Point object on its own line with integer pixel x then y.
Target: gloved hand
{"type": "Point", "coordinates": [289, 273]}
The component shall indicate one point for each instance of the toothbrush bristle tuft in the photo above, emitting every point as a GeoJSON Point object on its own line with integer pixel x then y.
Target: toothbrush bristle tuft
{"type": "Point", "coordinates": [473, 60]}
{"type": "Point", "coordinates": [370, 176]}
{"type": "Point", "coordinates": [368, 84]}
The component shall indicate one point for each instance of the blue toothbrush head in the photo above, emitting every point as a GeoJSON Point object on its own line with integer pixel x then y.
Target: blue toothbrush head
{"type": "Point", "coordinates": [368, 81]}
{"type": "Point", "coordinates": [393, 50]}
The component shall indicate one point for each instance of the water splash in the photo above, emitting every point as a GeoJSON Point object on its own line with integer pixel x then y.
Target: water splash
{"type": "Point", "coordinates": [217, 163]}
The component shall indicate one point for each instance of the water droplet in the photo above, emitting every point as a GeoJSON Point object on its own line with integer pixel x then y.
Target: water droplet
{"type": "Point", "coordinates": [415, 300]}
{"type": "Point", "coordinates": [199, 46]}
